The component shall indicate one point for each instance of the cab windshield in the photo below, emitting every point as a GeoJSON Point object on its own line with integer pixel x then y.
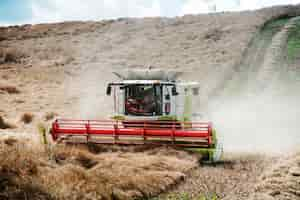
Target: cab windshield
{"type": "Point", "coordinates": [143, 100]}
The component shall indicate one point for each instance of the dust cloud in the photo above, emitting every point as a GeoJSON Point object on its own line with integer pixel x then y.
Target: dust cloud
{"type": "Point", "coordinates": [261, 123]}
{"type": "Point", "coordinates": [89, 89]}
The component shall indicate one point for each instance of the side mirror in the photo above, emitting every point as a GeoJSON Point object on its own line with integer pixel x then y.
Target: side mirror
{"type": "Point", "coordinates": [167, 97]}
{"type": "Point", "coordinates": [108, 90]}
{"type": "Point", "coordinates": [195, 91]}
{"type": "Point", "coordinates": [174, 91]}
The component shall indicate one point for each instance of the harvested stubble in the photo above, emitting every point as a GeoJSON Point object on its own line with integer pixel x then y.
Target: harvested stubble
{"type": "Point", "coordinates": [11, 55]}
{"type": "Point", "coordinates": [76, 173]}
{"type": "Point", "coordinates": [5, 125]}
{"type": "Point", "coordinates": [119, 175]}
{"type": "Point", "coordinates": [19, 169]}
{"type": "Point", "coordinates": [27, 118]}
{"type": "Point", "coordinates": [50, 115]}
{"type": "Point", "coordinates": [281, 181]}
{"type": "Point", "coordinates": [9, 89]}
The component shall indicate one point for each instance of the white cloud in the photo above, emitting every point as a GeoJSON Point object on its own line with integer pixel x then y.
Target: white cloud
{"type": "Point", "coordinates": [5, 23]}
{"type": "Point", "coordinates": [206, 6]}
{"type": "Point", "coordinates": [195, 6]}
{"type": "Point", "coordinates": [256, 4]}
{"type": "Point", "coordinates": [61, 10]}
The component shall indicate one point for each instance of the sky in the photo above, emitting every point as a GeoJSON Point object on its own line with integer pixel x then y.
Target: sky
{"type": "Point", "coordinates": [41, 11]}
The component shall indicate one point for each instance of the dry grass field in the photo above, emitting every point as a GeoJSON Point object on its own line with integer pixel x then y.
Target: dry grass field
{"type": "Point", "coordinates": [248, 89]}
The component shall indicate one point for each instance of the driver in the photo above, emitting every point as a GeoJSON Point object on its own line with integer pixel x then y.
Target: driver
{"type": "Point", "coordinates": [149, 101]}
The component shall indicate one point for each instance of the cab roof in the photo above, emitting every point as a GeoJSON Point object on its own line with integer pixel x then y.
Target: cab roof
{"type": "Point", "coordinates": [148, 74]}
{"type": "Point", "coordinates": [143, 82]}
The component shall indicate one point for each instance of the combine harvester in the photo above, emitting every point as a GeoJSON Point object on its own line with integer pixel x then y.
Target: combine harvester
{"type": "Point", "coordinates": [150, 108]}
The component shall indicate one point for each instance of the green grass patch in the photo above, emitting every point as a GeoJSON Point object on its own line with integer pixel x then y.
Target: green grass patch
{"type": "Point", "coordinates": [186, 196]}
{"type": "Point", "coordinates": [293, 44]}
{"type": "Point", "coordinates": [273, 26]}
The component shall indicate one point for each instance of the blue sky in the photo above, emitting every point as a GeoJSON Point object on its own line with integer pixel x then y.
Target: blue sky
{"type": "Point", "coordinates": [12, 11]}
{"type": "Point", "coordinates": [40, 11]}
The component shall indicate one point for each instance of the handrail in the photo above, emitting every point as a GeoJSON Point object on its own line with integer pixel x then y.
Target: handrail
{"type": "Point", "coordinates": [112, 121]}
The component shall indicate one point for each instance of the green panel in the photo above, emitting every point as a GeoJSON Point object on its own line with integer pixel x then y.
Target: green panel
{"type": "Point", "coordinates": [187, 113]}
{"type": "Point", "coordinates": [208, 153]}
{"type": "Point", "coordinates": [118, 117]}
{"type": "Point", "coordinates": [167, 118]}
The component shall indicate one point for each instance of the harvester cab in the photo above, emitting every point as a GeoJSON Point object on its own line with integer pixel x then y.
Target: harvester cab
{"type": "Point", "coordinates": [152, 95]}
{"type": "Point", "coordinates": [144, 99]}
{"type": "Point", "coordinates": [151, 107]}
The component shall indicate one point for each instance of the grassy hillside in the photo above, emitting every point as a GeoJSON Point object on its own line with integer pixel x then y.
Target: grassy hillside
{"type": "Point", "coordinates": [293, 45]}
